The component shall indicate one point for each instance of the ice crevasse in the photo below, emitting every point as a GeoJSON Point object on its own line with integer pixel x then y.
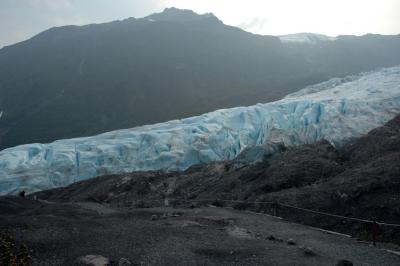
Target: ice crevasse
{"type": "Point", "coordinates": [336, 110]}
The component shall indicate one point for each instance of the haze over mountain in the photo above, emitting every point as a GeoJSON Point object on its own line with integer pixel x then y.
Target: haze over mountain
{"type": "Point", "coordinates": [74, 81]}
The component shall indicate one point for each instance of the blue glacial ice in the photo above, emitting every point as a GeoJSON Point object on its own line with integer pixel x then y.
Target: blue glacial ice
{"type": "Point", "coordinates": [336, 110]}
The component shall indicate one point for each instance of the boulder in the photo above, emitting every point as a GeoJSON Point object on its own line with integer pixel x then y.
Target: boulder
{"type": "Point", "coordinates": [94, 260]}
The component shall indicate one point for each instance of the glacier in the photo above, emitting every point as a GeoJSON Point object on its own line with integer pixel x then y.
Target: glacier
{"type": "Point", "coordinates": [337, 110]}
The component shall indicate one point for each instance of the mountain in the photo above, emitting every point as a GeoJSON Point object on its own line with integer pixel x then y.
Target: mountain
{"type": "Point", "coordinates": [338, 111]}
{"type": "Point", "coordinates": [75, 81]}
{"type": "Point", "coordinates": [305, 37]}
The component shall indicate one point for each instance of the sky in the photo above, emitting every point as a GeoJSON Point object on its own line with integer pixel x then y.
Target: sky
{"type": "Point", "coordinates": [22, 19]}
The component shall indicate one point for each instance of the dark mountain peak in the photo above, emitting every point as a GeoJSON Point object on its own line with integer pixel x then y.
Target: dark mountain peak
{"type": "Point", "coordinates": [176, 14]}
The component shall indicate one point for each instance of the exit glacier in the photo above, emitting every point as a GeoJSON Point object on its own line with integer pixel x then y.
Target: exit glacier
{"type": "Point", "coordinates": [336, 110]}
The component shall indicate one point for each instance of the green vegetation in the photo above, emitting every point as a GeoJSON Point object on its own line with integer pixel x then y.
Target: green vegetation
{"type": "Point", "coordinates": [12, 254]}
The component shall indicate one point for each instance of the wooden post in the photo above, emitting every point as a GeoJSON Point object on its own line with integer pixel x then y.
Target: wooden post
{"type": "Point", "coordinates": [166, 202]}
{"type": "Point", "coordinates": [374, 232]}
{"type": "Point", "coordinates": [275, 210]}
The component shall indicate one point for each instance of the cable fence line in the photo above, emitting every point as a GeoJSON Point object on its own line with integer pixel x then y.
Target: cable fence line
{"type": "Point", "coordinates": [275, 204]}
{"type": "Point", "coordinates": [341, 216]}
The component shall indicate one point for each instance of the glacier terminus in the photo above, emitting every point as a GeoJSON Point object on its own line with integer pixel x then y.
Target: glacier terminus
{"type": "Point", "coordinates": [337, 110]}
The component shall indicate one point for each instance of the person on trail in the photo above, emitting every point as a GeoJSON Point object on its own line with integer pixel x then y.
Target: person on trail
{"type": "Point", "coordinates": [22, 194]}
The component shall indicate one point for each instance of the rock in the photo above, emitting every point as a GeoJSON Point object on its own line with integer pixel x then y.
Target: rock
{"type": "Point", "coordinates": [344, 263]}
{"type": "Point", "coordinates": [94, 260]}
{"type": "Point", "coordinates": [308, 252]}
{"type": "Point", "coordinates": [191, 224]}
{"type": "Point", "coordinates": [291, 242]}
{"type": "Point", "coordinates": [154, 217]}
{"type": "Point", "coordinates": [124, 262]}
{"type": "Point", "coordinates": [271, 237]}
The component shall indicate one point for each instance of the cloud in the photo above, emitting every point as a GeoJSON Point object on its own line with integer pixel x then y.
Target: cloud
{"type": "Point", "coordinates": [257, 24]}
{"type": "Point", "coordinates": [51, 4]}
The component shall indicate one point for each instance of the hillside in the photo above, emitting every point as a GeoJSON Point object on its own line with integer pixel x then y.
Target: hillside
{"type": "Point", "coordinates": [75, 81]}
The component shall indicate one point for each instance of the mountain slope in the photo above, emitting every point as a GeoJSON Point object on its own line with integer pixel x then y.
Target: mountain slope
{"type": "Point", "coordinates": [337, 110]}
{"type": "Point", "coordinates": [73, 81]}
{"type": "Point", "coordinates": [77, 81]}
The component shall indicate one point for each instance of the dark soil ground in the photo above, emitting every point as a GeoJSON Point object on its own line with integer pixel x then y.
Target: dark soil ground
{"type": "Point", "coordinates": [61, 233]}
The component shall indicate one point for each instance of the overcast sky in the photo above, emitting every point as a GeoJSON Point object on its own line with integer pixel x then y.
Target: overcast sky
{"type": "Point", "coordinates": [22, 19]}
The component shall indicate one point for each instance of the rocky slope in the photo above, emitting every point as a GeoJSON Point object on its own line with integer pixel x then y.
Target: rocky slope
{"type": "Point", "coordinates": [359, 180]}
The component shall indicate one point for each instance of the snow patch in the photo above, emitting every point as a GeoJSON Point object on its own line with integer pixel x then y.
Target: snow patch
{"type": "Point", "coordinates": [311, 38]}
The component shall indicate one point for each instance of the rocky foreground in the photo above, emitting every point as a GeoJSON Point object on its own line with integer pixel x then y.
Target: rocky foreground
{"type": "Point", "coordinates": [123, 218]}
{"type": "Point", "coordinates": [92, 234]}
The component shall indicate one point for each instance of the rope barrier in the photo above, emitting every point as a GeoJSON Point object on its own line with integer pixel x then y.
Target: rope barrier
{"type": "Point", "coordinates": [340, 216]}
{"type": "Point", "coordinates": [290, 206]}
